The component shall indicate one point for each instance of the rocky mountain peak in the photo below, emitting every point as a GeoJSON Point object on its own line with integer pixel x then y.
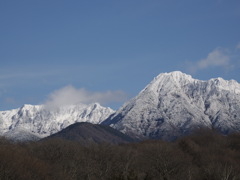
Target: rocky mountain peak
{"type": "Point", "coordinates": [174, 104]}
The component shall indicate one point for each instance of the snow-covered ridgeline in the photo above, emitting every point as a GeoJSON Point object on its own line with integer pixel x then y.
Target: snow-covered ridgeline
{"type": "Point", "coordinates": [174, 104]}
{"type": "Point", "coordinates": [37, 120]}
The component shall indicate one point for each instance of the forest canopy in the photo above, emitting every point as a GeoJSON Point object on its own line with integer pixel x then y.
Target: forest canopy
{"type": "Point", "coordinates": [204, 155]}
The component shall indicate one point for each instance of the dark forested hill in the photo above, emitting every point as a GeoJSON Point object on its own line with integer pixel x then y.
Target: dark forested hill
{"type": "Point", "coordinates": [85, 133]}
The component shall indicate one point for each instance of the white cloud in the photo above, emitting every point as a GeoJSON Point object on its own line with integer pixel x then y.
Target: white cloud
{"type": "Point", "coordinates": [216, 58]}
{"type": "Point", "coordinates": [69, 95]}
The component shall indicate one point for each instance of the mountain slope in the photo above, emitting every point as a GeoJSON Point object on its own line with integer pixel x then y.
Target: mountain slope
{"type": "Point", "coordinates": [34, 122]}
{"type": "Point", "coordinates": [174, 104]}
{"type": "Point", "coordinates": [85, 133]}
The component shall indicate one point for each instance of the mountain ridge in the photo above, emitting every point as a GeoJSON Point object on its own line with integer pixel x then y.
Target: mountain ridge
{"type": "Point", "coordinates": [37, 121]}
{"type": "Point", "coordinates": [173, 104]}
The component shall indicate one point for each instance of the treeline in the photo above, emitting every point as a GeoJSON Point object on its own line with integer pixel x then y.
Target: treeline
{"type": "Point", "coordinates": [203, 156]}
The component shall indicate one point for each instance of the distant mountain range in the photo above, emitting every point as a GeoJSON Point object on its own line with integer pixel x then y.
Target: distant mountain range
{"type": "Point", "coordinates": [34, 122]}
{"type": "Point", "coordinates": [172, 105]}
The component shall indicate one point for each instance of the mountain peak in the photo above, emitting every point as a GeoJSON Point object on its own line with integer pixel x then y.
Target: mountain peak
{"type": "Point", "coordinates": [29, 107]}
{"type": "Point", "coordinates": [85, 133]}
{"type": "Point", "coordinates": [95, 105]}
{"type": "Point", "coordinates": [168, 80]}
{"type": "Point", "coordinates": [174, 104]}
{"type": "Point", "coordinates": [26, 106]}
{"type": "Point", "coordinates": [176, 75]}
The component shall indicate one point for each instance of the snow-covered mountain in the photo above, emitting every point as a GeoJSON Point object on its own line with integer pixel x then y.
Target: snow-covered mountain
{"type": "Point", "coordinates": [37, 121]}
{"type": "Point", "coordinates": [174, 104]}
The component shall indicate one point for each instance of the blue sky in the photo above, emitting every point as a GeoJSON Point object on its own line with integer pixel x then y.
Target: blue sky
{"type": "Point", "coordinates": [110, 48]}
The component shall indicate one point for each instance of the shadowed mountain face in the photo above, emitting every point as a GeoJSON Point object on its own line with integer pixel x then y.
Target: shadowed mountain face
{"type": "Point", "coordinates": [85, 133]}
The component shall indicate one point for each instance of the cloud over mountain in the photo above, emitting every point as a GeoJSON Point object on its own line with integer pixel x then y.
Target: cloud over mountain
{"type": "Point", "coordinates": [217, 58]}
{"type": "Point", "coordinates": [70, 95]}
